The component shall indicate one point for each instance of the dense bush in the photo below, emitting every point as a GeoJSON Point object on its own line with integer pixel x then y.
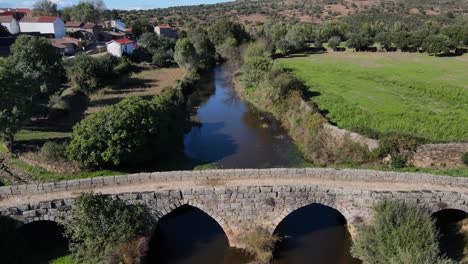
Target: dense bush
{"type": "Point", "coordinates": [97, 224]}
{"type": "Point", "coordinates": [399, 234]}
{"type": "Point", "coordinates": [436, 44]}
{"type": "Point", "coordinates": [132, 131]}
{"type": "Point", "coordinates": [465, 158]}
{"type": "Point", "coordinates": [54, 151]}
{"type": "Point", "coordinates": [334, 42]}
{"type": "Point", "coordinates": [260, 244]}
{"type": "Point", "coordinates": [397, 144]}
{"type": "Point", "coordinates": [88, 74]}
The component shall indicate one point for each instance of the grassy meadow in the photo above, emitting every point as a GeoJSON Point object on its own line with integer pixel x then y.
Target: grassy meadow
{"type": "Point", "coordinates": [412, 93]}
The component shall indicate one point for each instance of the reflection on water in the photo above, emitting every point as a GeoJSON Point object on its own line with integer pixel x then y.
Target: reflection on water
{"type": "Point", "coordinates": [189, 236]}
{"type": "Point", "coordinates": [314, 234]}
{"type": "Point", "coordinates": [234, 135]}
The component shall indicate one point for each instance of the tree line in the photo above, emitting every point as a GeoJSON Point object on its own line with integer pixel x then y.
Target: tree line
{"type": "Point", "coordinates": [432, 37]}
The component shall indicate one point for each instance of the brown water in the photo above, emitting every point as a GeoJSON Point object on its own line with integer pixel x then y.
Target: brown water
{"type": "Point", "coordinates": [232, 134]}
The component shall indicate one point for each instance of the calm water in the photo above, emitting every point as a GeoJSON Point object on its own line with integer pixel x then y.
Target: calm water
{"type": "Point", "coordinates": [232, 134]}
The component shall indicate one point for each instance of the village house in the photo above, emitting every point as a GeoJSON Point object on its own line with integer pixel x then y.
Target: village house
{"type": "Point", "coordinates": [67, 46]}
{"type": "Point", "coordinates": [118, 25]}
{"type": "Point", "coordinates": [85, 31]}
{"type": "Point", "coordinates": [166, 32]}
{"type": "Point", "coordinates": [43, 25]}
{"type": "Point", "coordinates": [17, 13]}
{"type": "Point", "coordinates": [120, 47]}
{"type": "Point", "coordinates": [11, 24]}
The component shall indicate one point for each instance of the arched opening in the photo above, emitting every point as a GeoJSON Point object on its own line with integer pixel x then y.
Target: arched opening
{"type": "Point", "coordinates": [11, 246]}
{"type": "Point", "coordinates": [43, 242]}
{"type": "Point", "coordinates": [190, 236]}
{"type": "Point", "coordinates": [314, 234]}
{"type": "Point", "coordinates": [453, 229]}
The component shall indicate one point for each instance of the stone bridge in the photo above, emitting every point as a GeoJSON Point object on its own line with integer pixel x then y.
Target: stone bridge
{"type": "Point", "coordinates": [243, 199]}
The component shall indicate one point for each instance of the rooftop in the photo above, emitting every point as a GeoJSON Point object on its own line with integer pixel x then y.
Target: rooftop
{"type": "Point", "coordinates": [73, 24]}
{"type": "Point", "coordinates": [6, 19]}
{"type": "Point", "coordinates": [42, 19]}
{"type": "Point", "coordinates": [123, 41]}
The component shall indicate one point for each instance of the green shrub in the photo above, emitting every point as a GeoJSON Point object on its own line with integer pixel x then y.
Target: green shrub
{"type": "Point", "coordinates": [260, 244]}
{"type": "Point", "coordinates": [399, 161]}
{"type": "Point", "coordinates": [54, 151]}
{"type": "Point", "coordinates": [399, 234]}
{"type": "Point", "coordinates": [465, 158]}
{"type": "Point", "coordinates": [97, 224]}
{"type": "Point", "coordinates": [397, 143]}
{"type": "Point", "coordinates": [56, 101]}
{"type": "Point", "coordinates": [133, 131]}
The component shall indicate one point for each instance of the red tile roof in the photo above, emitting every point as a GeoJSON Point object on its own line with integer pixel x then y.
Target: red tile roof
{"type": "Point", "coordinates": [43, 19]}
{"type": "Point", "coordinates": [165, 27]}
{"type": "Point", "coordinates": [47, 19]}
{"type": "Point", "coordinates": [89, 26]}
{"type": "Point", "coordinates": [8, 13]}
{"type": "Point", "coordinates": [123, 41]}
{"type": "Point", "coordinates": [20, 10]}
{"type": "Point", "coordinates": [5, 19]}
{"type": "Point", "coordinates": [73, 24]}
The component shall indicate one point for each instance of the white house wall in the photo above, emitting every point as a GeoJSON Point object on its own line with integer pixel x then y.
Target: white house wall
{"type": "Point", "coordinates": [114, 49]}
{"type": "Point", "coordinates": [57, 28]}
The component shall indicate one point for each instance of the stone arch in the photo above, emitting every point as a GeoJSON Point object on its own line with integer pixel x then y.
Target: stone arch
{"type": "Point", "coordinates": [193, 203]}
{"type": "Point", "coordinates": [287, 211]}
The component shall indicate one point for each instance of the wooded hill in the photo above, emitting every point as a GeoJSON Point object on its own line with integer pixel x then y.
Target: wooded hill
{"type": "Point", "coordinates": [251, 12]}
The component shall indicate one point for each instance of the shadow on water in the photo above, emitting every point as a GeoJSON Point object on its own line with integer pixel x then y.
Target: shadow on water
{"type": "Point", "coordinates": [314, 234]}
{"type": "Point", "coordinates": [452, 242]}
{"type": "Point", "coordinates": [37, 242]}
{"type": "Point", "coordinates": [189, 236]}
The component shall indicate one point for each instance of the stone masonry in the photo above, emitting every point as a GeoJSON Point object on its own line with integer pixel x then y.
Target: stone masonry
{"type": "Point", "coordinates": [238, 209]}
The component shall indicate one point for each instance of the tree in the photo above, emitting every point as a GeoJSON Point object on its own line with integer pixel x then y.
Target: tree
{"type": "Point", "coordinates": [334, 42]}
{"type": "Point", "coordinates": [161, 49]}
{"type": "Point", "coordinates": [38, 62]}
{"type": "Point", "coordinates": [82, 73]}
{"type": "Point", "coordinates": [44, 8]}
{"type": "Point", "coordinates": [401, 39]}
{"type": "Point", "coordinates": [458, 35]}
{"type": "Point", "coordinates": [97, 224]}
{"type": "Point", "coordinates": [88, 11]}
{"type": "Point", "coordinates": [141, 26]}
{"type": "Point", "coordinates": [16, 94]}
{"type": "Point", "coordinates": [385, 39]}
{"type": "Point", "coordinates": [436, 44]}
{"type": "Point", "coordinates": [185, 54]}
{"type": "Point", "coordinates": [399, 233]}
{"type": "Point", "coordinates": [297, 36]}
{"type": "Point", "coordinates": [358, 41]}
{"type": "Point", "coordinates": [225, 29]}
{"type": "Point", "coordinates": [133, 131]}
{"type": "Point", "coordinates": [205, 50]}
{"type": "Point", "coordinates": [255, 68]}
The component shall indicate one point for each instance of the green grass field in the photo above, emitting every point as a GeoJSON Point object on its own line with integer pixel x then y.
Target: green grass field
{"type": "Point", "coordinates": [415, 94]}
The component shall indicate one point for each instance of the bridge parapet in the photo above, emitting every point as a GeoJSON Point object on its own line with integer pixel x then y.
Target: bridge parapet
{"type": "Point", "coordinates": [317, 173]}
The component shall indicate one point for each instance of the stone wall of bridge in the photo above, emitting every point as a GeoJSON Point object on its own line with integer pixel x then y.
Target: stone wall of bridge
{"type": "Point", "coordinates": [238, 209]}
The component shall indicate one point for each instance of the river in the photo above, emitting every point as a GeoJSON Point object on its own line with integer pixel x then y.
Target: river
{"type": "Point", "coordinates": [232, 134]}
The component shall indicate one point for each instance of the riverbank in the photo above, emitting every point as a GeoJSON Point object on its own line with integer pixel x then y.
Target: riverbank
{"type": "Point", "coordinates": [325, 144]}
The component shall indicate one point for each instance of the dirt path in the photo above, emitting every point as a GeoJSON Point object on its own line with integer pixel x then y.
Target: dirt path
{"type": "Point", "coordinates": [188, 184]}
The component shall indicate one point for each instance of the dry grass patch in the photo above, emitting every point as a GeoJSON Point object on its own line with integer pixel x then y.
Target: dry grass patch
{"type": "Point", "coordinates": [146, 83]}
